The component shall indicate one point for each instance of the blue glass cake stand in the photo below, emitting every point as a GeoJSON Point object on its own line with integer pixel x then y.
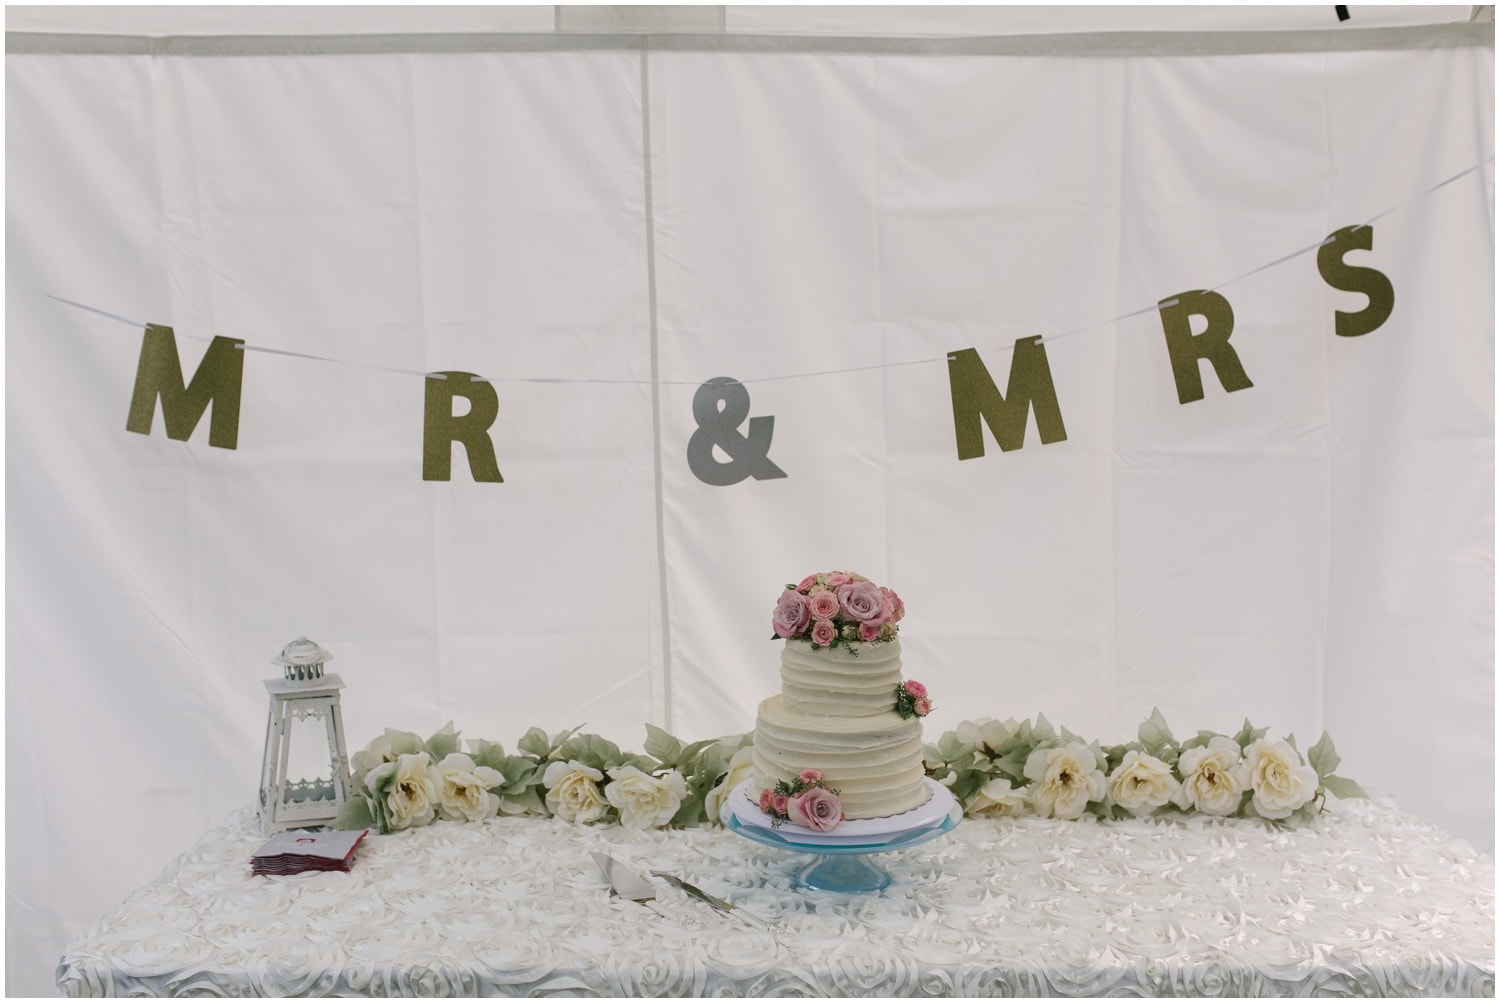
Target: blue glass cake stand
{"type": "Point", "coordinates": [842, 857]}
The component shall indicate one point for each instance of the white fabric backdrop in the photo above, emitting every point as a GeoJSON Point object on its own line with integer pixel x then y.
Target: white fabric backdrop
{"type": "Point", "coordinates": [825, 223]}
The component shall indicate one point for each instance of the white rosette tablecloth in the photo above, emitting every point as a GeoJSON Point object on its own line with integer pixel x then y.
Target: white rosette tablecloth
{"type": "Point", "coordinates": [1368, 901]}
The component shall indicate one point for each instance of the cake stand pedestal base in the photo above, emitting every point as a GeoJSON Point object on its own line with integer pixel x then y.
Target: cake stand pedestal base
{"type": "Point", "coordinates": [848, 874]}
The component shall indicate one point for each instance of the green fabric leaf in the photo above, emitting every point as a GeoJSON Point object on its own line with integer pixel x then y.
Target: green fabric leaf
{"type": "Point", "coordinates": [535, 743]}
{"type": "Point", "coordinates": [491, 754]}
{"type": "Point", "coordinates": [1042, 732]}
{"type": "Point", "coordinates": [691, 812]}
{"type": "Point", "coordinates": [1322, 756]}
{"type": "Point", "coordinates": [1154, 731]}
{"type": "Point", "coordinates": [662, 745]}
{"type": "Point", "coordinates": [690, 753]}
{"type": "Point", "coordinates": [1248, 733]}
{"type": "Point", "coordinates": [354, 814]}
{"type": "Point", "coordinates": [444, 742]}
{"type": "Point", "coordinates": [1343, 787]}
{"type": "Point", "coordinates": [1013, 766]}
{"type": "Point", "coordinates": [531, 799]}
{"type": "Point", "coordinates": [404, 743]}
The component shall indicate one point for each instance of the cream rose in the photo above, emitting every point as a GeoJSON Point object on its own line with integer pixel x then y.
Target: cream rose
{"type": "Point", "coordinates": [1064, 780]}
{"type": "Point", "coordinates": [373, 755]}
{"type": "Point", "coordinates": [1278, 780]}
{"type": "Point", "coordinates": [413, 790]}
{"type": "Point", "coordinates": [741, 767]}
{"type": "Point", "coordinates": [573, 792]}
{"type": "Point", "coordinates": [1211, 781]}
{"type": "Point", "coordinates": [463, 788]}
{"type": "Point", "coordinates": [1142, 783]}
{"type": "Point", "coordinates": [644, 801]}
{"type": "Point", "coordinates": [997, 799]}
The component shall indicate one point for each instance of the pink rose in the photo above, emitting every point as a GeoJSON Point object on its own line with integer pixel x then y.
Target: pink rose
{"type": "Point", "coordinates": [869, 632]}
{"type": "Point", "coordinates": [862, 601]}
{"type": "Point", "coordinates": [817, 809]}
{"type": "Point", "coordinates": [811, 776]}
{"type": "Point", "coordinates": [765, 800]}
{"type": "Point", "coordinates": [807, 583]}
{"type": "Point", "coordinates": [823, 605]}
{"type": "Point", "coordinates": [894, 604]}
{"type": "Point", "coordinates": [778, 804]}
{"type": "Point", "coordinates": [824, 633]}
{"type": "Point", "coordinates": [791, 615]}
{"type": "Point", "coordinates": [838, 578]}
{"type": "Point", "coordinates": [915, 689]}
{"type": "Point", "coordinates": [922, 706]}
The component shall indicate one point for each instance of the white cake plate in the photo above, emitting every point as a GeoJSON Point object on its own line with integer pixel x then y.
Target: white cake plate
{"type": "Point", "coordinates": [842, 861]}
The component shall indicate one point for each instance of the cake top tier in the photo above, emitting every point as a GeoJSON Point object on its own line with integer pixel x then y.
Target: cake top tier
{"type": "Point", "coordinates": [835, 609]}
{"type": "Point", "coordinates": [855, 681]}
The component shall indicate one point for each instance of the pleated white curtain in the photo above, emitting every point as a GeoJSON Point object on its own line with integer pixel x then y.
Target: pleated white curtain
{"type": "Point", "coordinates": [597, 227]}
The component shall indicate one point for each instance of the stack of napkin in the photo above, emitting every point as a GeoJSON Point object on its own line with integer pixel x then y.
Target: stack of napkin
{"type": "Point", "coordinates": [295, 852]}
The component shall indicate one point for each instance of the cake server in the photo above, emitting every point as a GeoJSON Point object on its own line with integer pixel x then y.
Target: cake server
{"type": "Point", "coordinates": [727, 908]}
{"type": "Point", "coordinates": [629, 885]}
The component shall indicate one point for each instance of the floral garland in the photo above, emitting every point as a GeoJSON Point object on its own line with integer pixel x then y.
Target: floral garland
{"type": "Point", "coordinates": [997, 769]}
{"type": "Point", "coordinates": [994, 769]}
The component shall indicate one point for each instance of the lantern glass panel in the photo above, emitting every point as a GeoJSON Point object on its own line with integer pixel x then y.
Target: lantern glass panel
{"type": "Point", "coordinates": [309, 767]}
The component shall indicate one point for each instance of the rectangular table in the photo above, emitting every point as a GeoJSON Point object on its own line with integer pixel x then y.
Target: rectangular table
{"type": "Point", "coordinates": [1367, 901]}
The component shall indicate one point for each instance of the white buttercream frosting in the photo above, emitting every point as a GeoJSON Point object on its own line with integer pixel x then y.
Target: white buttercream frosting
{"type": "Point", "coordinates": [836, 713]}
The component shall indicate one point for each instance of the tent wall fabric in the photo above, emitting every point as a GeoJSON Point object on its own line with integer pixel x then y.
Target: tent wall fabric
{"type": "Point", "coordinates": [533, 366]}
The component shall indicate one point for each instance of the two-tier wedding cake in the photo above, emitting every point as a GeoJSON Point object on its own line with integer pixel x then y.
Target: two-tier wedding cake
{"type": "Point", "coordinates": [845, 722]}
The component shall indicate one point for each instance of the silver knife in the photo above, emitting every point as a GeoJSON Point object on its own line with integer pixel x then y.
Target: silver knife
{"type": "Point", "coordinates": [727, 908]}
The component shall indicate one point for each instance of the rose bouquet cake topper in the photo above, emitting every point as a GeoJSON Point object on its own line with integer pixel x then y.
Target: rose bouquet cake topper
{"type": "Point", "coordinates": [835, 609]}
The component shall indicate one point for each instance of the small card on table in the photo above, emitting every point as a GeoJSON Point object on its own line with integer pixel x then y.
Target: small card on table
{"type": "Point", "coordinates": [295, 852]}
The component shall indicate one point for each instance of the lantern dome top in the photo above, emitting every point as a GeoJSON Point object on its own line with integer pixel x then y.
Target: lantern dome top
{"type": "Point", "coordinates": [303, 659]}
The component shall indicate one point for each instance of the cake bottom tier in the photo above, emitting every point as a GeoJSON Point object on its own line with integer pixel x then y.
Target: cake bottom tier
{"type": "Point", "coordinates": [874, 762]}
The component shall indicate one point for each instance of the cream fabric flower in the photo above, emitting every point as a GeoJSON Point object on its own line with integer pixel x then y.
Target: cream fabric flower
{"type": "Point", "coordinates": [1278, 780]}
{"type": "Point", "coordinates": [463, 788]}
{"type": "Point", "coordinates": [411, 798]}
{"type": "Point", "coordinates": [573, 793]}
{"type": "Point", "coordinates": [1142, 783]}
{"type": "Point", "coordinates": [1211, 777]}
{"type": "Point", "coordinates": [741, 767]}
{"type": "Point", "coordinates": [644, 801]}
{"type": "Point", "coordinates": [997, 799]}
{"type": "Point", "coordinates": [1064, 780]}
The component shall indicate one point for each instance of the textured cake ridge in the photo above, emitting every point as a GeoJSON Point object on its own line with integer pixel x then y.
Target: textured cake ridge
{"type": "Point", "coordinates": [836, 713]}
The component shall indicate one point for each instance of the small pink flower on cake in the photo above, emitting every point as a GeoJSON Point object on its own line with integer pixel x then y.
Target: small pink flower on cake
{"type": "Point", "coordinates": [817, 809]}
{"type": "Point", "coordinates": [807, 801]}
{"type": "Point", "coordinates": [823, 605]}
{"type": "Point", "coordinates": [824, 633]}
{"type": "Point", "coordinates": [912, 699]}
{"type": "Point", "coordinates": [862, 602]}
{"type": "Point", "coordinates": [792, 614]}
{"type": "Point", "coordinates": [894, 604]}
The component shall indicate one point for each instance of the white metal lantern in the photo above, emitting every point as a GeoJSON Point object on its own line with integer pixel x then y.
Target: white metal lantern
{"type": "Point", "coordinates": [304, 712]}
